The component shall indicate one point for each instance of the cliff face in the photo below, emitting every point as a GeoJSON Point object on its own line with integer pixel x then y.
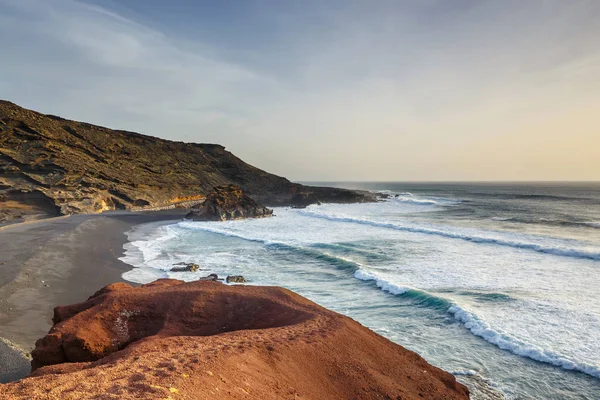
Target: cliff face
{"type": "Point", "coordinates": [52, 166]}
{"type": "Point", "coordinates": [207, 340]}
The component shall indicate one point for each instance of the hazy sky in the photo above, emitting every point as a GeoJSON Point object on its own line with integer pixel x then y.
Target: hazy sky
{"type": "Point", "coordinates": [326, 89]}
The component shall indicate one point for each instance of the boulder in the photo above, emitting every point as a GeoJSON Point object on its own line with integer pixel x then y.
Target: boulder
{"type": "Point", "coordinates": [187, 267]}
{"type": "Point", "coordinates": [235, 279]}
{"type": "Point", "coordinates": [226, 203]}
{"type": "Point", "coordinates": [211, 277]}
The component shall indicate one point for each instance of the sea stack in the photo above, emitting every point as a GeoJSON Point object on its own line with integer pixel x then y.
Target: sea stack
{"type": "Point", "coordinates": [207, 340]}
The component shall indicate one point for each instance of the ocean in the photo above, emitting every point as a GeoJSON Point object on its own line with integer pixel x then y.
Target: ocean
{"type": "Point", "coordinates": [497, 283]}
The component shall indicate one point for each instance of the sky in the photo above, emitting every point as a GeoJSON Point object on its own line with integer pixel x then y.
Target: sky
{"type": "Point", "coordinates": [336, 90]}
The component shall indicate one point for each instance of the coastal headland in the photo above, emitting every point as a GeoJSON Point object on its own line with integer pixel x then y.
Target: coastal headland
{"type": "Point", "coordinates": [208, 340]}
{"type": "Point", "coordinates": [51, 166]}
{"type": "Point", "coordinates": [70, 191]}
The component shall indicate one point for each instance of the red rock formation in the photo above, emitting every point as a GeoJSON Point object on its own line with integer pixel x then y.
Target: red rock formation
{"type": "Point", "coordinates": [206, 340]}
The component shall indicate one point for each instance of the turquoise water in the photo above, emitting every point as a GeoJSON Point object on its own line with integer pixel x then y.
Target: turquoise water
{"type": "Point", "coordinates": [498, 284]}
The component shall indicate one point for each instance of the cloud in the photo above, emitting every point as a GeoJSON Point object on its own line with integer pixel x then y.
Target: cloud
{"type": "Point", "coordinates": [83, 61]}
{"type": "Point", "coordinates": [431, 90]}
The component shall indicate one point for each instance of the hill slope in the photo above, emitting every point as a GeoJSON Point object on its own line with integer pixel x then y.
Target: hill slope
{"type": "Point", "coordinates": [207, 340]}
{"type": "Point", "coordinates": [53, 166]}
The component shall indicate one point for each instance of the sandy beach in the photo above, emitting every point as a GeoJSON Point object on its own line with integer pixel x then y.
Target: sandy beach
{"type": "Point", "coordinates": [56, 262]}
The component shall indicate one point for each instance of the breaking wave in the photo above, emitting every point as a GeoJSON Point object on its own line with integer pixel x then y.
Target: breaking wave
{"type": "Point", "coordinates": [554, 250]}
{"type": "Point", "coordinates": [479, 327]}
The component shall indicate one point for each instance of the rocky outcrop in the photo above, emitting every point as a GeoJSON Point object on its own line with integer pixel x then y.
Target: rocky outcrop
{"type": "Point", "coordinates": [301, 196]}
{"type": "Point", "coordinates": [226, 203]}
{"type": "Point", "coordinates": [210, 277]}
{"type": "Point", "coordinates": [236, 279]}
{"type": "Point", "coordinates": [185, 267]}
{"type": "Point", "coordinates": [53, 166]}
{"type": "Point", "coordinates": [303, 200]}
{"type": "Point", "coordinates": [205, 340]}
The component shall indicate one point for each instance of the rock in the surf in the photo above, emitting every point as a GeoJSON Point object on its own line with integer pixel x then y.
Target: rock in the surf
{"type": "Point", "coordinates": [226, 203]}
{"type": "Point", "coordinates": [235, 279]}
{"type": "Point", "coordinates": [187, 267]}
{"type": "Point", "coordinates": [211, 277]}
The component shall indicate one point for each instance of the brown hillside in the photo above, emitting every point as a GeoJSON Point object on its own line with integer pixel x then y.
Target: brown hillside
{"type": "Point", "coordinates": [53, 166]}
{"type": "Point", "coordinates": [207, 340]}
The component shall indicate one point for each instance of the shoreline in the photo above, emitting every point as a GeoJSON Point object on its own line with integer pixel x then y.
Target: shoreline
{"type": "Point", "coordinates": [57, 261]}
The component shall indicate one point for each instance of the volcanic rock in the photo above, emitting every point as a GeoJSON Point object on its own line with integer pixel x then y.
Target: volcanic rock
{"type": "Point", "coordinates": [206, 340]}
{"type": "Point", "coordinates": [235, 279]}
{"type": "Point", "coordinates": [228, 202]}
{"type": "Point", "coordinates": [187, 267]}
{"type": "Point", "coordinates": [52, 166]}
{"type": "Point", "coordinates": [303, 200]}
{"type": "Point", "coordinates": [210, 277]}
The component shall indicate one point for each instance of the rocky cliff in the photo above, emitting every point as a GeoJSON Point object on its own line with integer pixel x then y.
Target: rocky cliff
{"type": "Point", "coordinates": [51, 166]}
{"type": "Point", "coordinates": [207, 340]}
{"type": "Point", "coordinates": [226, 203]}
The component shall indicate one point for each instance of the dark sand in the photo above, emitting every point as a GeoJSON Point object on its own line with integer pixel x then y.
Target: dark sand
{"type": "Point", "coordinates": [54, 262]}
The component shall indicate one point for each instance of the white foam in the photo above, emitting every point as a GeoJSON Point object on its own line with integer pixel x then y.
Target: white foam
{"type": "Point", "coordinates": [423, 201]}
{"type": "Point", "coordinates": [481, 388]}
{"type": "Point", "coordinates": [145, 243]}
{"type": "Point", "coordinates": [479, 327]}
{"type": "Point", "coordinates": [413, 200]}
{"type": "Point", "coordinates": [425, 263]}
{"type": "Point", "coordinates": [468, 372]}
{"type": "Point", "coordinates": [501, 218]}
{"type": "Point", "coordinates": [144, 275]}
{"type": "Point", "coordinates": [364, 275]}
{"type": "Point", "coordinates": [500, 241]}
{"type": "Point", "coordinates": [222, 229]}
{"type": "Point", "coordinates": [505, 341]}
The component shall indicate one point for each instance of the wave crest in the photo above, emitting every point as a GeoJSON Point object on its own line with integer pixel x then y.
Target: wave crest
{"type": "Point", "coordinates": [557, 251]}
{"type": "Point", "coordinates": [479, 327]}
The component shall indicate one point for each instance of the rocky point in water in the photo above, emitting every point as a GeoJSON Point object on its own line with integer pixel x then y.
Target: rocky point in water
{"type": "Point", "coordinates": [52, 166]}
{"type": "Point", "coordinates": [226, 203]}
{"type": "Point", "coordinates": [207, 340]}
{"type": "Point", "coordinates": [185, 267]}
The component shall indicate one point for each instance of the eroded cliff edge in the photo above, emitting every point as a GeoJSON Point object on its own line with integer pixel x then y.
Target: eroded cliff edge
{"type": "Point", "coordinates": [201, 340]}
{"type": "Point", "coordinates": [51, 166]}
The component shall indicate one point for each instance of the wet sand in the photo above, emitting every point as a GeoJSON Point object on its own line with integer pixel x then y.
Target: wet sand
{"type": "Point", "coordinates": [54, 262]}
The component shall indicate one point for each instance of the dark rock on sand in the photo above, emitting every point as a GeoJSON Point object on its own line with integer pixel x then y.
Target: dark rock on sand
{"type": "Point", "coordinates": [187, 267]}
{"type": "Point", "coordinates": [235, 279]}
{"type": "Point", "coordinates": [52, 166]}
{"type": "Point", "coordinates": [226, 203]}
{"type": "Point", "coordinates": [201, 340]}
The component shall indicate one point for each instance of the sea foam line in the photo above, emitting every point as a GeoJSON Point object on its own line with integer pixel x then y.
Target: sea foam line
{"type": "Point", "coordinates": [408, 197]}
{"type": "Point", "coordinates": [479, 327]}
{"type": "Point", "coordinates": [557, 251]}
{"type": "Point", "coordinates": [471, 321]}
{"type": "Point", "coordinates": [306, 249]}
